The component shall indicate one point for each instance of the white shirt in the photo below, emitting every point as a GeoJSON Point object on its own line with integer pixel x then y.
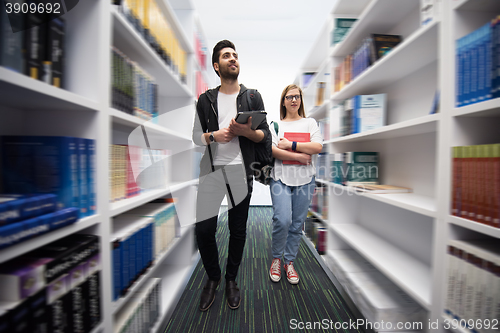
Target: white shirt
{"type": "Point", "coordinates": [227, 153]}
{"type": "Point", "coordinates": [292, 174]}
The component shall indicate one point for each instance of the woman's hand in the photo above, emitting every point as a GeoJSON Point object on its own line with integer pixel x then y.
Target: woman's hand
{"type": "Point", "coordinates": [284, 144]}
{"type": "Point", "coordinates": [304, 158]}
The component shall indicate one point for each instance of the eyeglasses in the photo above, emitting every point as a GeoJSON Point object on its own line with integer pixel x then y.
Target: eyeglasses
{"type": "Point", "coordinates": [291, 97]}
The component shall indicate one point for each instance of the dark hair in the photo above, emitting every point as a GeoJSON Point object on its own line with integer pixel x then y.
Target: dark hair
{"type": "Point", "coordinates": [216, 52]}
{"type": "Point", "coordinates": [282, 101]}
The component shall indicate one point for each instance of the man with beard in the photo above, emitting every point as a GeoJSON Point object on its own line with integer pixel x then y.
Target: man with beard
{"type": "Point", "coordinates": [225, 169]}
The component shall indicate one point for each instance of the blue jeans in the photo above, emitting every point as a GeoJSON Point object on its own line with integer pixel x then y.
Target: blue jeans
{"type": "Point", "coordinates": [290, 205]}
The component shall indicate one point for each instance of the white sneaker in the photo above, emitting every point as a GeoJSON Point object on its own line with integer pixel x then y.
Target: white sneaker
{"type": "Point", "coordinates": [275, 271]}
{"type": "Point", "coordinates": [291, 274]}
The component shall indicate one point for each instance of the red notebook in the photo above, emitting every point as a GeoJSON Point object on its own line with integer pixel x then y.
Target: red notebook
{"type": "Point", "coordinates": [298, 137]}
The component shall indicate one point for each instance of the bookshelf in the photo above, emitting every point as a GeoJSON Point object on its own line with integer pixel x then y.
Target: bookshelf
{"type": "Point", "coordinates": [83, 109]}
{"type": "Point", "coordinates": [405, 235]}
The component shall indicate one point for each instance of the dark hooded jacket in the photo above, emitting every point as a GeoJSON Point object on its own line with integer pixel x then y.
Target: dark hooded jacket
{"type": "Point", "coordinates": [206, 121]}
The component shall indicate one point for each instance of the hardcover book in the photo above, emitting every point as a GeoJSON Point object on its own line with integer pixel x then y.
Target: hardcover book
{"type": "Point", "coordinates": [298, 137]}
{"type": "Point", "coordinates": [381, 45]}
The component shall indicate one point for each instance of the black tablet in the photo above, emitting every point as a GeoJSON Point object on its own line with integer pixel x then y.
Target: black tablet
{"type": "Point", "coordinates": [257, 117]}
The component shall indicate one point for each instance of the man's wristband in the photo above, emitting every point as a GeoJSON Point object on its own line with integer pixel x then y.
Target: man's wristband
{"type": "Point", "coordinates": [294, 145]}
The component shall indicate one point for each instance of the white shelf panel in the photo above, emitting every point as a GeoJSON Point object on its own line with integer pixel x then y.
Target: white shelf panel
{"type": "Point", "coordinates": [477, 5]}
{"type": "Point", "coordinates": [417, 203]}
{"type": "Point", "coordinates": [129, 120]}
{"type": "Point", "coordinates": [425, 124]}
{"type": "Point", "coordinates": [489, 108]}
{"type": "Point", "coordinates": [36, 242]}
{"type": "Point", "coordinates": [128, 41]}
{"type": "Point", "coordinates": [349, 7]}
{"type": "Point", "coordinates": [174, 279]}
{"type": "Point", "coordinates": [476, 226]}
{"type": "Point", "coordinates": [374, 19]}
{"type": "Point", "coordinates": [21, 91]}
{"type": "Point", "coordinates": [419, 50]}
{"type": "Point", "coordinates": [405, 271]}
{"type": "Point", "coordinates": [157, 264]}
{"type": "Point", "coordinates": [318, 112]}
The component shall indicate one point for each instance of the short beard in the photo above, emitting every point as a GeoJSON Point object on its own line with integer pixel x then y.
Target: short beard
{"type": "Point", "coordinates": [229, 75]}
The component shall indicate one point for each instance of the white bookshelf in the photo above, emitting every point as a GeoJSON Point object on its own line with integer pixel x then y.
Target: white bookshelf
{"type": "Point", "coordinates": [83, 109]}
{"type": "Point", "coordinates": [405, 235]}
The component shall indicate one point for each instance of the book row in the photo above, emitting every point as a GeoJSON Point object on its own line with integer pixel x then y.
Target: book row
{"type": "Point", "coordinates": [149, 21]}
{"type": "Point", "coordinates": [341, 29]}
{"type": "Point", "coordinates": [350, 168]}
{"type": "Point", "coordinates": [55, 288]}
{"type": "Point", "coordinates": [60, 165]}
{"type": "Point", "coordinates": [316, 232]}
{"type": "Point", "coordinates": [473, 284]}
{"type": "Point", "coordinates": [45, 220]}
{"type": "Point", "coordinates": [371, 49]}
{"type": "Point", "coordinates": [140, 237]}
{"type": "Point", "coordinates": [200, 51]}
{"type": "Point", "coordinates": [319, 201]}
{"type": "Point", "coordinates": [132, 89]}
{"type": "Point", "coordinates": [143, 311]}
{"type": "Point", "coordinates": [201, 85]}
{"type": "Point", "coordinates": [135, 170]}
{"type": "Point", "coordinates": [477, 64]}
{"type": "Point", "coordinates": [358, 114]}
{"type": "Point", "coordinates": [381, 302]}
{"type": "Point", "coordinates": [33, 44]}
{"type": "Point", "coordinates": [476, 183]}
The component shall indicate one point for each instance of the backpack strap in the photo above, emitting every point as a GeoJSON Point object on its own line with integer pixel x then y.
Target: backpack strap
{"type": "Point", "coordinates": [251, 99]}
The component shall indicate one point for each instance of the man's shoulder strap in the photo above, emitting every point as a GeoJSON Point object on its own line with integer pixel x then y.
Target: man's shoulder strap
{"type": "Point", "coordinates": [251, 99]}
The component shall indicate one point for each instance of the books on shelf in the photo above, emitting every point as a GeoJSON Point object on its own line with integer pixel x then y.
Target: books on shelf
{"type": "Point", "coordinates": [341, 29]}
{"type": "Point", "coordinates": [133, 90]}
{"type": "Point", "coordinates": [473, 281]}
{"type": "Point", "coordinates": [135, 170]}
{"type": "Point", "coordinates": [477, 65]}
{"type": "Point", "coordinates": [297, 137]}
{"type": "Point", "coordinates": [382, 189]}
{"type": "Point", "coordinates": [17, 207]}
{"type": "Point", "coordinates": [143, 310]}
{"type": "Point", "coordinates": [316, 232]}
{"type": "Point", "coordinates": [476, 183]}
{"type": "Point", "coordinates": [361, 168]}
{"type": "Point", "coordinates": [306, 79]}
{"type": "Point", "coordinates": [320, 93]}
{"type": "Point", "coordinates": [381, 45]}
{"type": "Point", "coordinates": [319, 201]}
{"type": "Point", "coordinates": [148, 20]}
{"type": "Point", "coordinates": [59, 285]}
{"type": "Point", "coordinates": [140, 236]}
{"type": "Point", "coordinates": [58, 165]}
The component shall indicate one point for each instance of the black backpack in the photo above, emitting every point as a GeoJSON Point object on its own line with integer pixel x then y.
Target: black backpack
{"type": "Point", "coordinates": [264, 161]}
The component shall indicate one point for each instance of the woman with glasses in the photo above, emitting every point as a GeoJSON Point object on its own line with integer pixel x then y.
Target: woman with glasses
{"type": "Point", "coordinates": [292, 184]}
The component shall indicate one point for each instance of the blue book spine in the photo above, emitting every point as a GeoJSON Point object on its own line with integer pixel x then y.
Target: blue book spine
{"type": "Point", "coordinates": [481, 62]}
{"type": "Point", "coordinates": [117, 269]}
{"type": "Point", "coordinates": [91, 176]}
{"type": "Point", "coordinates": [9, 234]}
{"type": "Point", "coordinates": [487, 60]}
{"type": "Point", "coordinates": [151, 242]}
{"type": "Point", "coordinates": [82, 176]}
{"type": "Point", "coordinates": [15, 208]}
{"type": "Point", "coordinates": [70, 147]}
{"type": "Point", "coordinates": [467, 72]}
{"type": "Point", "coordinates": [125, 260]}
{"type": "Point", "coordinates": [140, 250]}
{"type": "Point", "coordinates": [474, 67]}
{"type": "Point", "coordinates": [132, 257]}
{"type": "Point", "coordinates": [459, 78]}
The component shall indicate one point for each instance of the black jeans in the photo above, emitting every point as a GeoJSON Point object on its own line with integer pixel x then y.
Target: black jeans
{"type": "Point", "coordinates": [211, 192]}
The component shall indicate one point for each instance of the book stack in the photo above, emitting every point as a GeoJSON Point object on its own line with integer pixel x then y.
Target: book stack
{"type": "Point", "coordinates": [360, 168]}
{"type": "Point", "coordinates": [23, 217]}
{"type": "Point", "coordinates": [143, 310]}
{"type": "Point", "coordinates": [316, 232]}
{"type": "Point", "coordinates": [37, 48]}
{"type": "Point", "coordinates": [149, 21]}
{"type": "Point", "coordinates": [55, 288]}
{"type": "Point", "coordinates": [140, 237]}
{"type": "Point", "coordinates": [378, 298]}
{"type": "Point", "coordinates": [477, 65]}
{"type": "Point", "coordinates": [322, 166]}
{"type": "Point", "coordinates": [476, 183]}
{"type": "Point", "coordinates": [371, 49]}
{"type": "Point", "coordinates": [135, 170]}
{"type": "Point", "coordinates": [358, 114]}
{"type": "Point", "coordinates": [341, 29]}
{"type": "Point", "coordinates": [133, 90]}
{"type": "Point", "coordinates": [63, 166]}
{"type": "Point", "coordinates": [473, 288]}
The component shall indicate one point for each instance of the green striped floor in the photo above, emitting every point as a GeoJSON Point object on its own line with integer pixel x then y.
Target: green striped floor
{"type": "Point", "coordinates": [314, 303]}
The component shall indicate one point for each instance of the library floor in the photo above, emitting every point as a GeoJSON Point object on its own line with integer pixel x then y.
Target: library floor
{"type": "Point", "coordinates": [265, 306]}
